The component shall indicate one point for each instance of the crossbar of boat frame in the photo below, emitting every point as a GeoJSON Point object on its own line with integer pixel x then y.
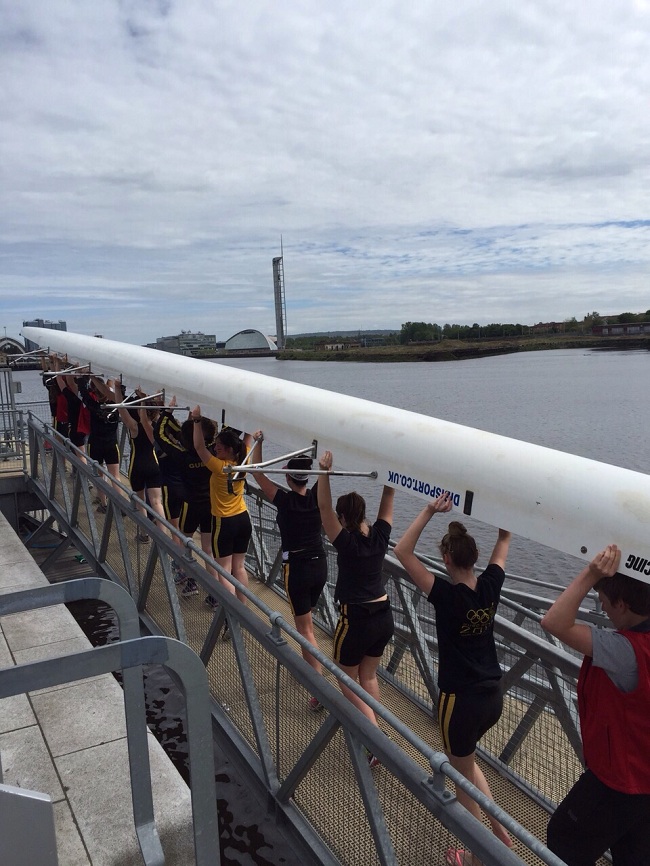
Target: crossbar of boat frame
{"type": "Point", "coordinates": [47, 480]}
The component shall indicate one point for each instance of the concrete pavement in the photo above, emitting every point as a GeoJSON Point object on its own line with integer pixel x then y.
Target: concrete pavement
{"type": "Point", "coordinates": [69, 741]}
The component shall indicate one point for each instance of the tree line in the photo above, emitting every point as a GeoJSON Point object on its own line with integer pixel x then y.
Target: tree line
{"type": "Point", "coordinates": [426, 332]}
{"type": "Point", "coordinates": [429, 332]}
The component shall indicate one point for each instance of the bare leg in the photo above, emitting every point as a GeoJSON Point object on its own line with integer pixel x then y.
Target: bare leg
{"type": "Point", "coordinates": [239, 571]}
{"type": "Point", "coordinates": [175, 522]}
{"type": "Point", "coordinates": [155, 500]}
{"type": "Point", "coordinates": [226, 563]}
{"type": "Point", "coordinates": [353, 673]}
{"type": "Point", "coordinates": [368, 675]}
{"type": "Point", "coordinates": [139, 505]}
{"type": "Point", "coordinates": [305, 627]}
{"type": "Point", "coordinates": [468, 767]}
{"type": "Point", "coordinates": [114, 470]}
{"type": "Point", "coordinates": [206, 547]}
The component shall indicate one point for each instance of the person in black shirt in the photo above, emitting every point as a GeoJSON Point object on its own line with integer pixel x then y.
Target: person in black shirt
{"type": "Point", "coordinates": [102, 442]}
{"type": "Point", "coordinates": [365, 623]}
{"type": "Point", "coordinates": [144, 472]}
{"type": "Point", "coordinates": [304, 562]}
{"type": "Point", "coordinates": [188, 486]}
{"type": "Point", "coordinates": [470, 701]}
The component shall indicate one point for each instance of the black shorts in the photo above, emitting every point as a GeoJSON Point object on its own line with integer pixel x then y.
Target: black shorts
{"type": "Point", "coordinates": [172, 503]}
{"type": "Point", "coordinates": [145, 477]}
{"type": "Point", "coordinates": [104, 452]}
{"type": "Point", "coordinates": [362, 630]}
{"type": "Point", "coordinates": [78, 439]}
{"type": "Point", "coordinates": [231, 534]}
{"type": "Point", "coordinates": [305, 575]}
{"type": "Point", "coordinates": [195, 515]}
{"type": "Point", "coordinates": [466, 716]}
{"type": "Point", "coordinates": [62, 428]}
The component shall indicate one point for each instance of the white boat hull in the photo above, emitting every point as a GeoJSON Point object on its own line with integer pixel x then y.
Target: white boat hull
{"type": "Point", "coordinates": [569, 503]}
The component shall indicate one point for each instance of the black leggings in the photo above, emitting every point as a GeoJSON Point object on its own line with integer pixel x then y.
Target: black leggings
{"type": "Point", "coordinates": [593, 817]}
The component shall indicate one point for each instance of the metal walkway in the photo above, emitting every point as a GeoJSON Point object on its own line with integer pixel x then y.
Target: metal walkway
{"type": "Point", "coordinates": [313, 766]}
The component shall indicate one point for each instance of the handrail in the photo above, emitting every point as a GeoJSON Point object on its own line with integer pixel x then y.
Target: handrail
{"type": "Point", "coordinates": [128, 655]}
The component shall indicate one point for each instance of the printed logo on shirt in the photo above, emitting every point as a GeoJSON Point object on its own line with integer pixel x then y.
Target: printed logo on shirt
{"type": "Point", "coordinates": [478, 620]}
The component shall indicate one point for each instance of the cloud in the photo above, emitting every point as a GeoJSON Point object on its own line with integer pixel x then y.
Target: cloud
{"type": "Point", "coordinates": [472, 160]}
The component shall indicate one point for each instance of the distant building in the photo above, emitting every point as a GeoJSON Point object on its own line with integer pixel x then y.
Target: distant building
{"type": "Point", "coordinates": [620, 328]}
{"type": "Point", "coordinates": [250, 341]}
{"type": "Point", "coordinates": [9, 346]}
{"type": "Point", "coordinates": [339, 347]}
{"type": "Point", "coordinates": [30, 346]}
{"type": "Point", "coordinates": [193, 345]}
{"type": "Point", "coordinates": [548, 328]}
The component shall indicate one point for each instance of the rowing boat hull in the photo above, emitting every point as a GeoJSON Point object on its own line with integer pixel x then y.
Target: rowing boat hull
{"type": "Point", "coordinates": [569, 503]}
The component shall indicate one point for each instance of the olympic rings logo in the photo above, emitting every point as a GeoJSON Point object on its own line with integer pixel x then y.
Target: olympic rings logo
{"type": "Point", "coordinates": [480, 616]}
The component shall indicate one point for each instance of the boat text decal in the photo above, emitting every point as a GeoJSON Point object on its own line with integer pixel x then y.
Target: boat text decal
{"type": "Point", "coordinates": [637, 563]}
{"type": "Point", "coordinates": [408, 482]}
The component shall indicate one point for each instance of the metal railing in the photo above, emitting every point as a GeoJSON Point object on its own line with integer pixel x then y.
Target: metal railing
{"type": "Point", "coordinates": [312, 766]}
{"type": "Point", "coordinates": [11, 425]}
{"type": "Point", "coordinates": [128, 655]}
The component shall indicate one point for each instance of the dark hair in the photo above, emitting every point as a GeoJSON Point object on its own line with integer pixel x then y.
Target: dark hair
{"type": "Point", "coordinates": [352, 506]}
{"type": "Point", "coordinates": [298, 468]}
{"type": "Point", "coordinates": [622, 587]}
{"type": "Point", "coordinates": [229, 439]}
{"type": "Point", "coordinates": [460, 546]}
{"type": "Point", "coordinates": [208, 428]}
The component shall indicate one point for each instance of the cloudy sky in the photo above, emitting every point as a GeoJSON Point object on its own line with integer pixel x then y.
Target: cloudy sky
{"type": "Point", "coordinates": [450, 161]}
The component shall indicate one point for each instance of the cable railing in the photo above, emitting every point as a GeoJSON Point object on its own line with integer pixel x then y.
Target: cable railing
{"type": "Point", "coordinates": [312, 765]}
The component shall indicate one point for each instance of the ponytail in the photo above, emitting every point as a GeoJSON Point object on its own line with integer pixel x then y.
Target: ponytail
{"type": "Point", "coordinates": [459, 545]}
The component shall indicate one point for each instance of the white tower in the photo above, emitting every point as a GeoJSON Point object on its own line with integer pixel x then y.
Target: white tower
{"type": "Point", "coordinates": [280, 306]}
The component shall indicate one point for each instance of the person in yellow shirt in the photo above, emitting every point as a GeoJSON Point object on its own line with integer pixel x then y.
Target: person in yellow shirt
{"type": "Point", "coordinates": [231, 523]}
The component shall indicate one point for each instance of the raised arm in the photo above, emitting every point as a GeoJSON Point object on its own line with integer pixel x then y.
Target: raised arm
{"type": "Point", "coordinates": [55, 363]}
{"type": "Point", "coordinates": [328, 517]}
{"type": "Point", "coordinates": [199, 443]}
{"type": "Point", "coordinates": [386, 504]}
{"type": "Point", "coordinates": [104, 388]}
{"type": "Point", "coordinates": [500, 552]}
{"type": "Point", "coordinates": [125, 416]}
{"type": "Point", "coordinates": [268, 488]}
{"type": "Point", "coordinates": [560, 619]}
{"type": "Point", "coordinates": [147, 426]}
{"type": "Point", "coordinates": [71, 382]}
{"type": "Point", "coordinates": [405, 547]}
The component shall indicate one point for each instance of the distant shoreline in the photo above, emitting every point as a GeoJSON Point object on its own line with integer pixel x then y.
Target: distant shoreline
{"type": "Point", "coordinates": [459, 350]}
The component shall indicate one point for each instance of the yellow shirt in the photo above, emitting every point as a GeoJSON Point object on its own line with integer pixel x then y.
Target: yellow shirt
{"type": "Point", "coordinates": [222, 502]}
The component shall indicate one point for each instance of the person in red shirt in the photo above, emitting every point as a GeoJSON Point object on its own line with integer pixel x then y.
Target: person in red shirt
{"type": "Point", "coordinates": [609, 805]}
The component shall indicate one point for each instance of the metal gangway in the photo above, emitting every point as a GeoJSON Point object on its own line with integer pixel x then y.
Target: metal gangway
{"type": "Point", "coordinates": [313, 767]}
